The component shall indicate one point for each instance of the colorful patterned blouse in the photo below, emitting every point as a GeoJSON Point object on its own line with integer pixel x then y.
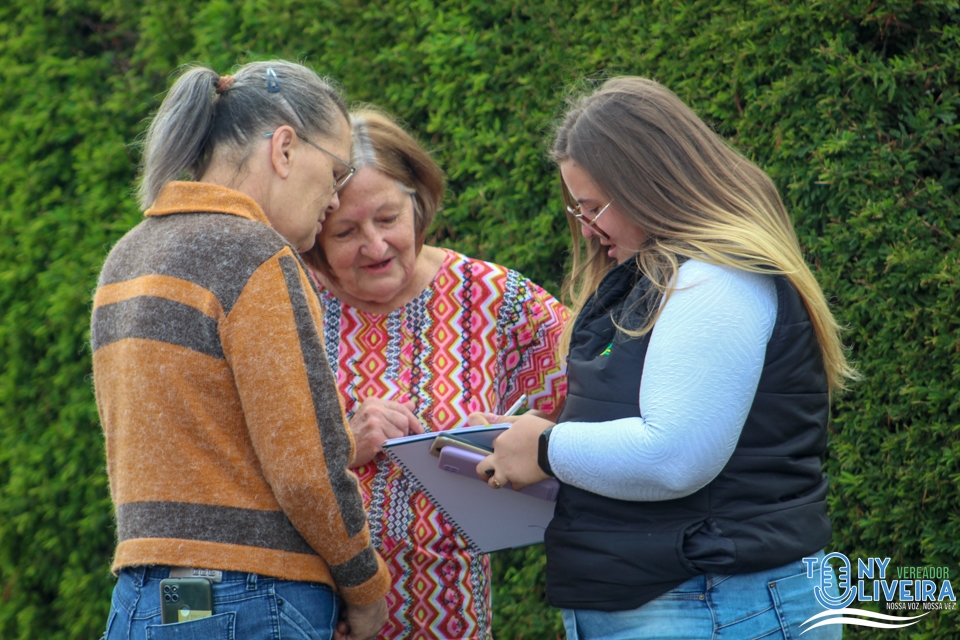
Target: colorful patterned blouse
{"type": "Point", "coordinates": [475, 339]}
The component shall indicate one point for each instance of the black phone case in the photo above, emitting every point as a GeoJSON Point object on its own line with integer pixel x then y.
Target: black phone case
{"type": "Point", "coordinates": [185, 599]}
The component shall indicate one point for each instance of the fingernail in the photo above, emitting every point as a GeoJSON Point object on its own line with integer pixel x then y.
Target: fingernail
{"type": "Point", "coordinates": [489, 472]}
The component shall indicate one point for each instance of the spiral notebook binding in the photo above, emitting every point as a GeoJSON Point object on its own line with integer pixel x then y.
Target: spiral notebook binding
{"type": "Point", "coordinates": [410, 476]}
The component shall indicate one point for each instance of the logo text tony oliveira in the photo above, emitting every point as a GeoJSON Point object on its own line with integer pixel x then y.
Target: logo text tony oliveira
{"type": "Point", "coordinates": [905, 588]}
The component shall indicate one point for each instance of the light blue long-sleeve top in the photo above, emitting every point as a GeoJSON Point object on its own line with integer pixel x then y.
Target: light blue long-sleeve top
{"type": "Point", "coordinates": [700, 375]}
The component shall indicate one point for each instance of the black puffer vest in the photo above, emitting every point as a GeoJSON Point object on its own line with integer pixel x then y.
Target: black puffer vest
{"type": "Point", "coordinates": [767, 507]}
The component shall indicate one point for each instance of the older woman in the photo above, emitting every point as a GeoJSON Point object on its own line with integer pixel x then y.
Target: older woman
{"type": "Point", "coordinates": [226, 446]}
{"type": "Point", "coordinates": [420, 337]}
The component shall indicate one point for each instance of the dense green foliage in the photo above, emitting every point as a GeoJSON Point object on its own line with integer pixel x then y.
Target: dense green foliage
{"type": "Point", "coordinates": [850, 105]}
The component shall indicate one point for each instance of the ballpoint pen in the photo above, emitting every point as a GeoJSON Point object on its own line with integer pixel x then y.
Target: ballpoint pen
{"type": "Point", "coordinates": [512, 410]}
{"type": "Point", "coordinates": [516, 406]}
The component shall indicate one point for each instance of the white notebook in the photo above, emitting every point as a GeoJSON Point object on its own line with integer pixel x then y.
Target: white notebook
{"type": "Point", "coordinates": [489, 519]}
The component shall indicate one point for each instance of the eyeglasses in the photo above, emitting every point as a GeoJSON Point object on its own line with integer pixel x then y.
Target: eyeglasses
{"type": "Point", "coordinates": [339, 182]}
{"type": "Point", "coordinates": [575, 210]}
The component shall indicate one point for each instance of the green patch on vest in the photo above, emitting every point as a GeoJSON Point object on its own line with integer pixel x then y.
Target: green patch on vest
{"type": "Point", "coordinates": [606, 351]}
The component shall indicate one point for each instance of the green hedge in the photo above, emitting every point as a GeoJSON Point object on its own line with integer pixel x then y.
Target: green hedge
{"type": "Point", "coordinates": [850, 105]}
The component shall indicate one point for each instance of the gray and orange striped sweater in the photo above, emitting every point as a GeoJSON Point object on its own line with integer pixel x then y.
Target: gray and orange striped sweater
{"type": "Point", "coordinates": [227, 446]}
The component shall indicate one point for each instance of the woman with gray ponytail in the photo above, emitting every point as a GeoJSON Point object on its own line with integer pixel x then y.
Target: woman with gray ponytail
{"type": "Point", "coordinates": [227, 446]}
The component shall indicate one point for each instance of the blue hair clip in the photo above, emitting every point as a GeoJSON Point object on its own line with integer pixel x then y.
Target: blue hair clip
{"type": "Point", "coordinates": [273, 85]}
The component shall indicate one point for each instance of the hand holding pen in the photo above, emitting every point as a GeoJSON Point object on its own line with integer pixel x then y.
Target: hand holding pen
{"type": "Point", "coordinates": [377, 420]}
{"type": "Point", "coordinates": [514, 461]}
{"type": "Point", "coordinates": [479, 418]}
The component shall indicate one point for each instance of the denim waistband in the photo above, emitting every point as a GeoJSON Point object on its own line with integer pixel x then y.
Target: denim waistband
{"type": "Point", "coordinates": [161, 572]}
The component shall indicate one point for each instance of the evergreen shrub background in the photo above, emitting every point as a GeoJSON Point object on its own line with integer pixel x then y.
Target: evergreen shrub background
{"type": "Point", "coordinates": [851, 106]}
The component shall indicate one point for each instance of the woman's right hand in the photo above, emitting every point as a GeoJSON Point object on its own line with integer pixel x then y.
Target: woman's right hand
{"type": "Point", "coordinates": [376, 421]}
{"type": "Point", "coordinates": [514, 459]}
{"type": "Point", "coordinates": [481, 418]}
{"type": "Point", "coordinates": [362, 622]}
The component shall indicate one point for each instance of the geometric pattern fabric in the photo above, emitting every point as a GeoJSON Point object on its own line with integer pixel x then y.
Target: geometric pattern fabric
{"type": "Point", "coordinates": [475, 339]}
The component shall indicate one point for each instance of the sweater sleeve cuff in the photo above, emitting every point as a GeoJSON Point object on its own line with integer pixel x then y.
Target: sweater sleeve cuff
{"type": "Point", "coordinates": [370, 591]}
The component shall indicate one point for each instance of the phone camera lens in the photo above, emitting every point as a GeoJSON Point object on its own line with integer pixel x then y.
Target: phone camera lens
{"type": "Point", "coordinates": [166, 588]}
{"type": "Point", "coordinates": [174, 597]}
{"type": "Point", "coordinates": [166, 597]}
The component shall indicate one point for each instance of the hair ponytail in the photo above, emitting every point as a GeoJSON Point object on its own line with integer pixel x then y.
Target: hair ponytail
{"type": "Point", "coordinates": [204, 112]}
{"type": "Point", "coordinates": [175, 141]}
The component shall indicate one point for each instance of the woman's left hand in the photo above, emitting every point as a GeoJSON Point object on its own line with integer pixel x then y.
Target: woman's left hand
{"type": "Point", "coordinates": [514, 457]}
{"type": "Point", "coordinates": [376, 421]}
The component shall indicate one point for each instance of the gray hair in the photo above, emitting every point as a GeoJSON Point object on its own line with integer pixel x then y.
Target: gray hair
{"type": "Point", "coordinates": [362, 153]}
{"type": "Point", "coordinates": [197, 118]}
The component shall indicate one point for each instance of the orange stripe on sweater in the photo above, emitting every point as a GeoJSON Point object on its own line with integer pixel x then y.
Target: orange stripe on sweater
{"type": "Point", "coordinates": [199, 197]}
{"type": "Point", "coordinates": [159, 286]}
{"type": "Point", "coordinates": [178, 431]}
{"type": "Point", "coordinates": [281, 564]}
{"type": "Point", "coordinates": [227, 557]}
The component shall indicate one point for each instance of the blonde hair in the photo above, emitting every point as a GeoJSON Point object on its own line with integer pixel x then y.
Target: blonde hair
{"type": "Point", "coordinates": [379, 142]}
{"type": "Point", "coordinates": [692, 194]}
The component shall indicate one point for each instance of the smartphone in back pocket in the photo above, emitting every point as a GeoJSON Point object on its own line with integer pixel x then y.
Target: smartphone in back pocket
{"type": "Point", "coordinates": [185, 599]}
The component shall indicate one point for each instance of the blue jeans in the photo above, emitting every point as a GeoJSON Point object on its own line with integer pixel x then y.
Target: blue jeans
{"type": "Point", "coordinates": [246, 606]}
{"type": "Point", "coordinates": [768, 604]}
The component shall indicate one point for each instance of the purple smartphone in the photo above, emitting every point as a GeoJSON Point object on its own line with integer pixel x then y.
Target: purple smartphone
{"type": "Point", "coordinates": [464, 463]}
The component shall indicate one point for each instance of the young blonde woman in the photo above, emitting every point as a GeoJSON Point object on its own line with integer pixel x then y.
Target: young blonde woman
{"type": "Point", "coordinates": [701, 364]}
{"type": "Point", "coordinates": [227, 447]}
